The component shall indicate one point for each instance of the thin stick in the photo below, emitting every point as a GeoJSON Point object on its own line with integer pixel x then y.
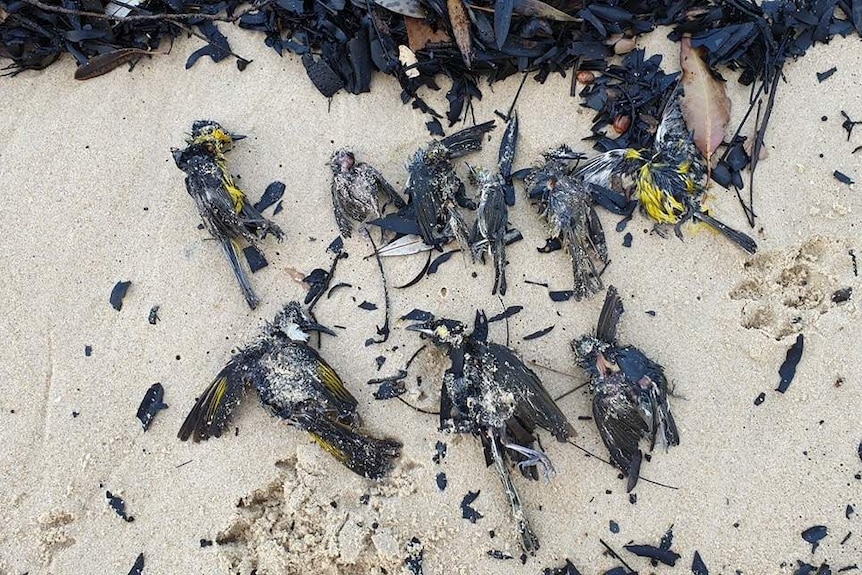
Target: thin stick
{"type": "Point", "coordinates": [616, 556]}
{"type": "Point", "coordinates": [141, 17]}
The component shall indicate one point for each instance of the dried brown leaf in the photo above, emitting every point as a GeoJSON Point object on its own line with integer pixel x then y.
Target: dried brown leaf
{"type": "Point", "coordinates": [103, 63]}
{"type": "Point", "coordinates": [295, 275]}
{"type": "Point", "coordinates": [705, 106]}
{"type": "Point", "coordinates": [461, 28]}
{"type": "Point", "coordinates": [420, 34]}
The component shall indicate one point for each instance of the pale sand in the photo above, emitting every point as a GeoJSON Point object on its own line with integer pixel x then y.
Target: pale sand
{"type": "Point", "coordinates": [81, 163]}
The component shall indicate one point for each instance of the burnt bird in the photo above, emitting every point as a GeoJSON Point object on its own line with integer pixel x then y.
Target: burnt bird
{"type": "Point", "coordinates": [488, 391]}
{"type": "Point", "coordinates": [356, 188]}
{"type": "Point", "coordinates": [492, 220]}
{"type": "Point", "coordinates": [568, 209]}
{"type": "Point", "coordinates": [223, 206]}
{"type": "Point", "coordinates": [629, 392]}
{"type": "Point", "coordinates": [435, 190]}
{"type": "Point", "coordinates": [668, 178]}
{"type": "Point", "coordinates": [294, 383]}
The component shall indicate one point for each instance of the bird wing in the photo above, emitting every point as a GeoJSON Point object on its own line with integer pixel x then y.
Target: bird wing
{"type": "Point", "coordinates": [382, 184]}
{"type": "Point", "coordinates": [341, 219]}
{"type": "Point", "coordinates": [535, 405]}
{"type": "Point", "coordinates": [651, 382]}
{"type": "Point", "coordinates": [609, 317]}
{"type": "Point", "coordinates": [328, 380]}
{"type": "Point", "coordinates": [621, 428]}
{"type": "Point", "coordinates": [212, 410]}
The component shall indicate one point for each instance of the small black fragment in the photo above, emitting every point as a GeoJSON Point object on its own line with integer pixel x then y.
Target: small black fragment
{"type": "Point", "coordinates": [859, 451]}
{"type": "Point", "coordinates": [75, 414]}
{"type": "Point", "coordinates": [633, 498]}
{"type": "Point", "coordinates": [442, 481]}
{"type": "Point", "coordinates": [335, 287]}
{"type": "Point", "coordinates": [853, 567]}
{"type": "Point", "coordinates": [278, 208]}
{"type": "Point", "coordinates": [119, 506]}
{"type": "Point", "coordinates": [467, 512]}
{"type": "Point", "coordinates": [368, 306]}
{"type": "Point", "coordinates": [665, 556]}
{"type": "Point", "coordinates": [364, 498]}
{"type": "Point", "coordinates": [788, 368]}
{"type": "Point", "coordinates": [497, 554]}
{"type": "Point", "coordinates": [849, 509]}
{"type": "Point", "coordinates": [206, 543]}
{"type": "Point", "coordinates": [849, 124]}
{"type": "Point", "coordinates": [666, 539]}
{"type": "Point", "coordinates": [440, 454]}
{"type": "Point", "coordinates": [617, 571]}
{"type": "Point", "coordinates": [509, 312]}
{"type": "Point", "coordinates": [439, 260]}
{"type": "Point", "coordinates": [322, 75]}
{"type": "Point", "coordinates": [138, 567]}
{"type": "Point", "coordinates": [317, 280]}
{"type": "Point", "coordinates": [418, 315]}
{"type": "Point", "coordinates": [814, 535]}
{"type": "Point", "coordinates": [698, 567]}
{"type": "Point", "coordinates": [627, 240]}
{"type": "Point", "coordinates": [760, 398]}
{"type": "Point", "coordinates": [413, 561]}
{"type": "Point", "coordinates": [380, 360]}
{"type": "Point", "coordinates": [564, 295]}
{"type": "Point", "coordinates": [390, 387]}
{"type": "Point", "coordinates": [853, 260]}
{"type": "Point", "coordinates": [568, 568]}
{"type": "Point", "coordinates": [88, 350]}
{"type": "Point", "coordinates": [842, 295]}
{"type": "Point", "coordinates": [823, 76]}
{"type": "Point", "coordinates": [538, 334]}
{"type": "Point", "coordinates": [336, 246]}
{"type": "Point", "coordinates": [153, 318]}
{"type": "Point", "coordinates": [435, 128]}
{"type": "Point", "coordinates": [651, 313]}
{"type": "Point", "coordinates": [804, 568]}
{"type": "Point", "coordinates": [152, 403]}
{"type": "Point", "coordinates": [614, 526]}
{"type": "Point", "coordinates": [255, 258]}
{"type": "Point", "coordinates": [532, 283]}
{"type": "Point", "coordinates": [846, 537]}
{"type": "Point", "coordinates": [118, 293]}
{"type": "Point", "coordinates": [242, 64]}
{"type": "Point", "coordinates": [272, 194]}
{"type": "Point", "coordinates": [842, 177]}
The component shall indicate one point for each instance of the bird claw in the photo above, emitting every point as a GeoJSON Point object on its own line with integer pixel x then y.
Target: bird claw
{"type": "Point", "coordinates": [534, 459]}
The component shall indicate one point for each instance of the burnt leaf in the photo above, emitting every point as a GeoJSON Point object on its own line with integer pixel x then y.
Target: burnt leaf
{"type": "Point", "coordinates": [151, 404]}
{"type": "Point", "coordinates": [502, 20]}
{"type": "Point", "coordinates": [322, 75]}
{"type": "Point", "coordinates": [562, 295]}
{"type": "Point", "coordinates": [842, 295]}
{"type": "Point", "coordinates": [138, 567]}
{"type": "Point", "coordinates": [538, 334]}
{"type": "Point", "coordinates": [467, 511]}
{"type": "Point", "coordinates": [506, 314]}
{"type": "Point", "coordinates": [368, 306]}
{"type": "Point", "coordinates": [665, 556]}
{"type": "Point", "coordinates": [119, 506]}
{"type": "Point", "coordinates": [568, 568]}
{"type": "Point", "coordinates": [317, 281]}
{"type": "Point", "coordinates": [118, 293]}
{"type": "Point", "coordinates": [440, 260]}
{"type": "Point", "coordinates": [442, 481]}
{"type": "Point", "coordinates": [389, 387]}
{"type": "Point", "coordinates": [842, 177]}
{"type": "Point", "coordinates": [788, 368]}
{"type": "Point", "coordinates": [823, 76]}
{"type": "Point", "coordinates": [270, 196]}
{"type": "Point", "coordinates": [418, 315]}
{"type": "Point", "coordinates": [698, 567]}
{"type": "Point", "coordinates": [153, 316]}
{"type": "Point", "coordinates": [255, 258]}
{"type": "Point", "coordinates": [814, 535]}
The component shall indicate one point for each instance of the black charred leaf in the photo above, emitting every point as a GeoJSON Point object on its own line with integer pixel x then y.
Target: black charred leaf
{"type": "Point", "coordinates": [389, 387]}
{"type": "Point", "coordinates": [435, 128]}
{"type": "Point", "coordinates": [442, 481]}
{"type": "Point", "coordinates": [336, 246]}
{"type": "Point", "coordinates": [138, 567]}
{"type": "Point", "coordinates": [322, 75]}
{"type": "Point", "coordinates": [698, 567]}
{"type": "Point", "coordinates": [119, 506]}
{"type": "Point", "coordinates": [568, 568]}
{"type": "Point", "coordinates": [538, 334]}
{"type": "Point", "coordinates": [788, 369]}
{"type": "Point", "coordinates": [760, 398]}
{"type": "Point", "coordinates": [497, 554]}
{"type": "Point", "coordinates": [380, 360]}
{"type": "Point", "coordinates": [842, 177]}
{"type": "Point", "coordinates": [359, 54]}
{"type": "Point", "coordinates": [278, 207]}
{"type": "Point", "coordinates": [842, 295]}
{"type": "Point", "coordinates": [848, 511]}
{"type": "Point", "coordinates": [88, 350]}
{"type": "Point", "coordinates": [318, 281]}
{"type": "Point", "coordinates": [206, 543]}
{"type": "Point", "coordinates": [502, 20]}
{"type": "Point", "coordinates": [509, 312]}
{"type": "Point", "coordinates": [272, 194]}
{"type": "Point", "coordinates": [337, 286]}
{"type": "Point", "coordinates": [368, 306]}
{"type": "Point", "coordinates": [418, 315]}
{"type": "Point", "coordinates": [467, 512]}
{"type": "Point", "coordinates": [415, 552]}
{"type": "Point", "coordinates": [666, 539]}
{"type": "Point", "coordinates": [218, 48]}
{"type": "Point", "coordinates": [627, 240]}
{"type": "Point", "coordinates": [440, 452]}
{"type": "Point", "coordinates": [118, 293]}
{"type": "Point", "coordinates": [551, 245]}
{"type": "Point", "coordinates": [665, 556]}
{"type": "Point", "coordinates": [440, 260]}
{"type": "Point", "coordinates": [153, 317]}
{"type": "Point", "coordinates": [814, 535]}
{"type": "Point", "coordinates": [255, 258]}
{"type": "Point", "coordinates": [613, 526]}
{"type": "Point", "coordinates": [242, 64]}
{"type": "Point", "coordinates": [562, 295]}
{"type": "Point", "coordinates": [617, 571]}
{"type": "Point", "coordinates": [397, 223]}
{"type": "Point", "coordinates": [823, 76]}
{"type": "Point", "coordinates": [152, 403]}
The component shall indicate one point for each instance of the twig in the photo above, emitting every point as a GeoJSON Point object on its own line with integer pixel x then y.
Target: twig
{"type": "Point", "coordinates": [142, 17]}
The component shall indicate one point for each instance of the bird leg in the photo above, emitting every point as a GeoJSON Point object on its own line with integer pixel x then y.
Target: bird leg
{"type": "Point", "coordinates": [534, 458]}
{"type": "Point", "coordinates": [528, 539]}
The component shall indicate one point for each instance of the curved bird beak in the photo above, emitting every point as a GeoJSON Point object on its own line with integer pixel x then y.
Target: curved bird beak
{"type": "Point", "coordinates": [424, 328]}
{"type": "Point", "coordinates": [237, 137]}
{"type": "Point", "coordinates": [320, 328]}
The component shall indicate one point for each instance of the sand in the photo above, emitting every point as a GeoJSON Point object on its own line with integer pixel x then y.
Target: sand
{"type": "Point", "coordinates": [93, 197]}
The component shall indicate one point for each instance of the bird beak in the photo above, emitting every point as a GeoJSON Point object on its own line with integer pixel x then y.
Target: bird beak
{"type": "Point", "coordinates": [424, 328]}
{"type": "Point", "coordinates": [237, 137]}
{"type": "Point", "coordinates": [320, 328]}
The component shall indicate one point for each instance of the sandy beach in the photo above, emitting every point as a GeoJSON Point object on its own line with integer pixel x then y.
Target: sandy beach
{"type": "Point", "coordinates": [95, 198]}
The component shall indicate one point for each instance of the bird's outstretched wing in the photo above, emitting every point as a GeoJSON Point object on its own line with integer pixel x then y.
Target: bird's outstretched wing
{"type": "Point", "coordinates": [621, 428]}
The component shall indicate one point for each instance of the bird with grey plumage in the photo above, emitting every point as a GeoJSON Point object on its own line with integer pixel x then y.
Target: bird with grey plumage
{"type": "Point", "coordinates": [629, 392]}
{"type": "Point", "coordinates": [488, 391]}
{"type": "Point", "coordinates": [492, 221]}
{"type": "Point", "coordinates": [572, 222]}
{"type": "Point", "coordinates": [294, 383]}
{"type": "Point", "coordinates": [667, 179]}
{"type": "Point", "coordinates": [356, 190]}
{"type": "Point", "coordinates": [224, 208]}
{"type": "Point", "coordinates": [436, 192]}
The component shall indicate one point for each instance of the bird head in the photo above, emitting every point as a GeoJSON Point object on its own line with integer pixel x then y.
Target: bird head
{"type": "Point", "coordinates": [441, 331]}
{"type": "Point", "coordinates": [342, 161]}
{"type": "Point", "coordinates": [211, 133]}
{"type": "Point", "coordinates": [295, 323]}
{"type": "Point", "coordinates": [587, 350]}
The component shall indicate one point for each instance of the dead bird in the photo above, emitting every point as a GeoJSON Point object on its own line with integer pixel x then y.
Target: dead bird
{"type": "Point", "coordinates": [356, 187]}
{"type": "Point", "coordinates": [489, 392]}
{"type": "Point", "coordinates": [492, 221]}
{"type": "Point", "coordinates": [436, 191]}
{"type": "Point", "coordinates": [667, 178]}
{"type": "Point", "coordinates": [568, 208]}
{"type": "Point", "coordinates": [629, 392]}
{"type": "Point", "coordinates": [294, 383]}
{"type": "Point", "coordinates": [223, 206]}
